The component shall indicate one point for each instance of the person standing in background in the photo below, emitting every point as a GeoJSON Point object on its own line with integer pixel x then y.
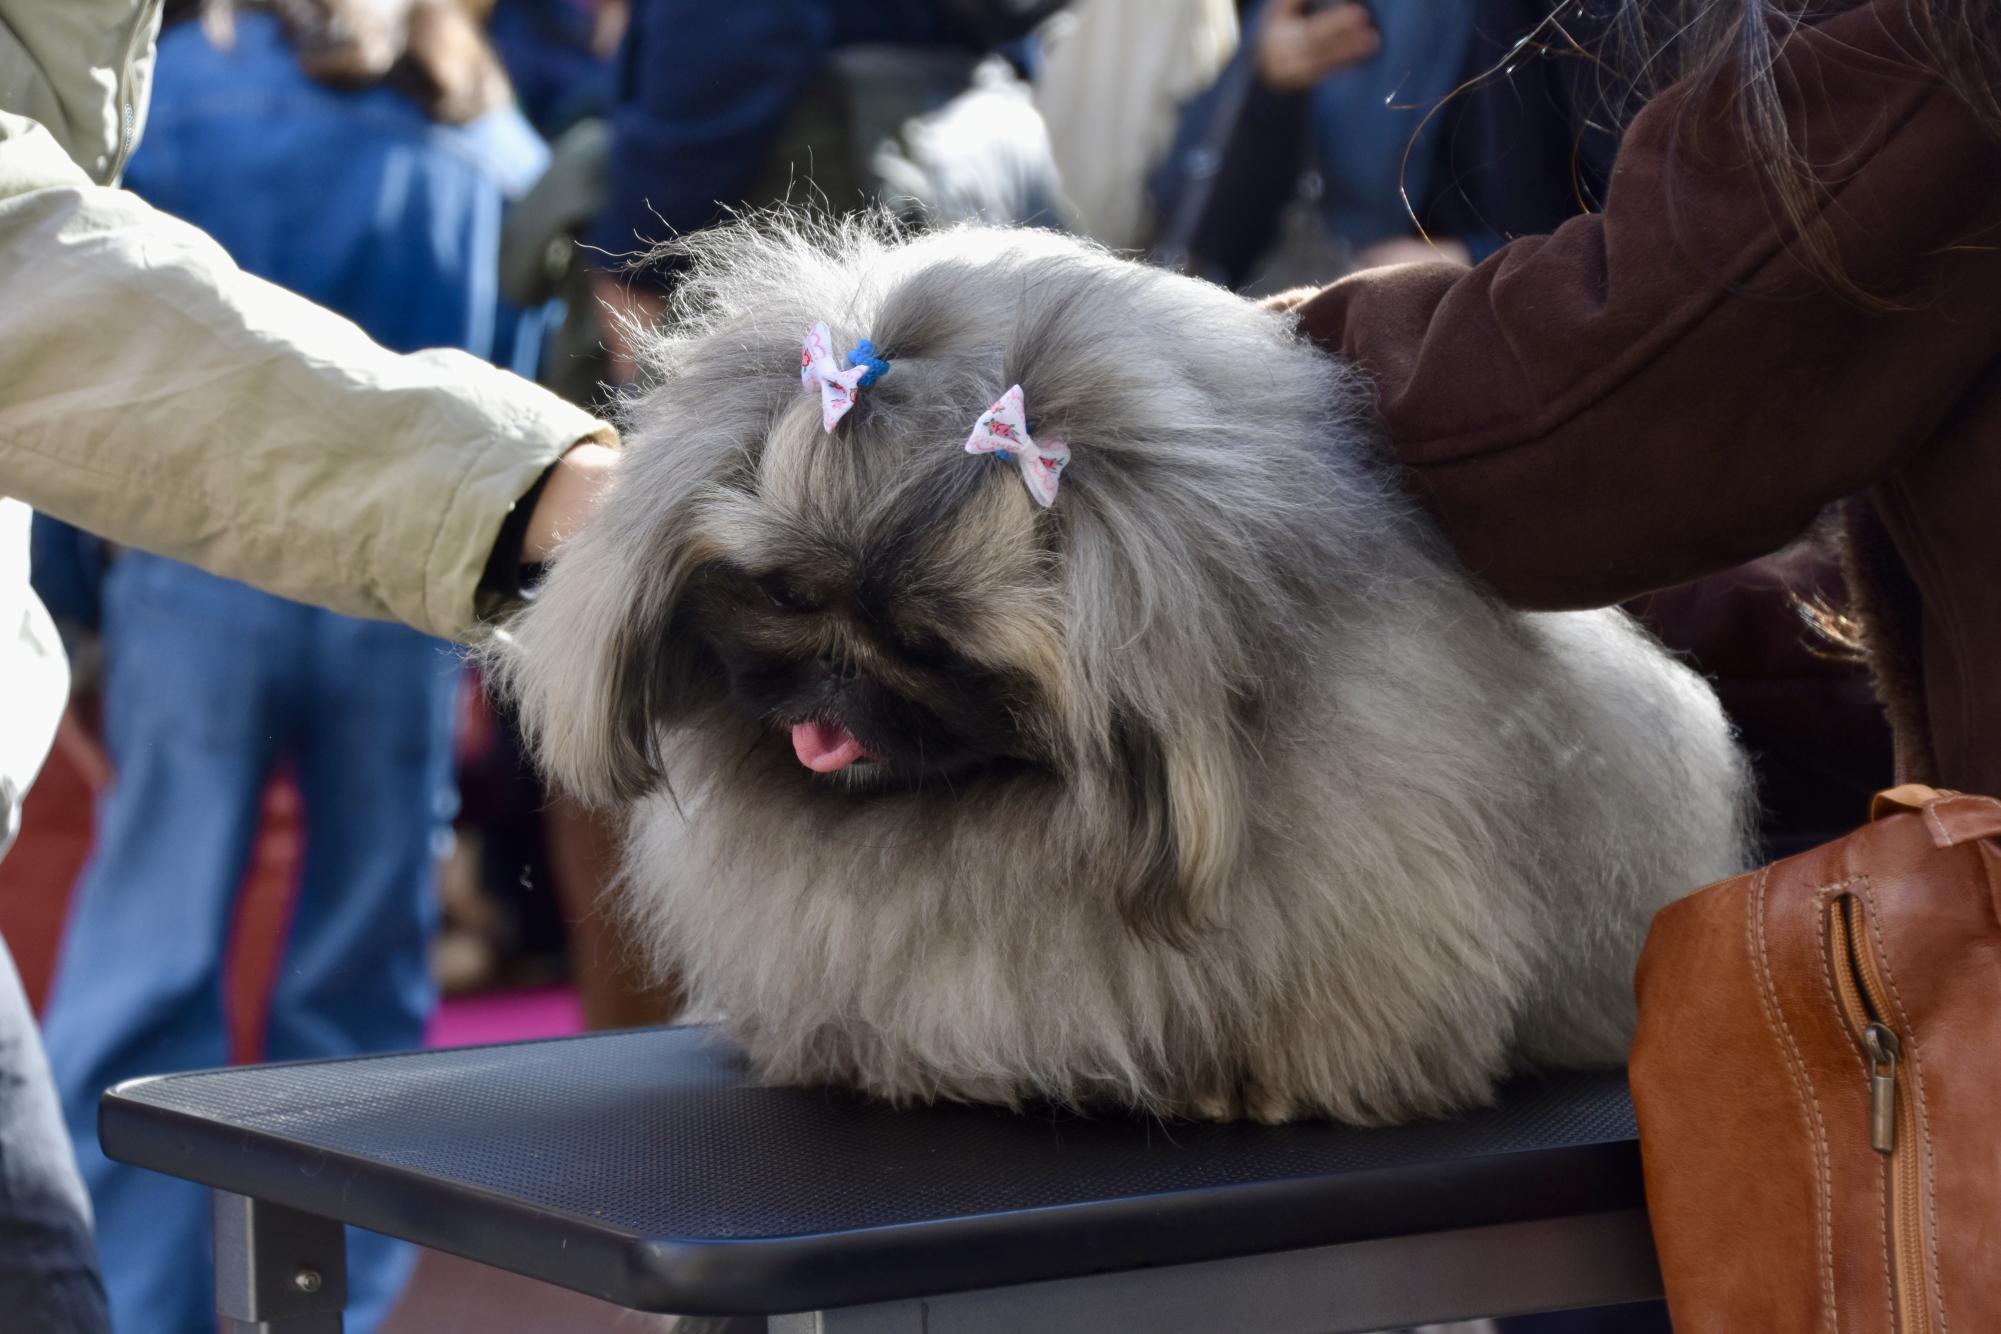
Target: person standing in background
{"type": "Point", "coordinates": [362, 155]}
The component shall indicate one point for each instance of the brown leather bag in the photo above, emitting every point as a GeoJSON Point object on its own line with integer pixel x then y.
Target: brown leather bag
{"type": "Point", "coordinates": [1818, 1078]}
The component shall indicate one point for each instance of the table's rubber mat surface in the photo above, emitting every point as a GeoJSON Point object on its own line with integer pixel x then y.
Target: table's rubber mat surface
{"type": "Point", "coordinates": [648, 1168]}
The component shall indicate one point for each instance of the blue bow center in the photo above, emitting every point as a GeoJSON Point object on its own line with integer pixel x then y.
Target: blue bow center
{"type": "Point", "coordinates": [864, 355]}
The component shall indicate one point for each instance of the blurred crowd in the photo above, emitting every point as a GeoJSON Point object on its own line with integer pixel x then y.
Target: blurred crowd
{"type": "Point", "coordinates": [495, 177]}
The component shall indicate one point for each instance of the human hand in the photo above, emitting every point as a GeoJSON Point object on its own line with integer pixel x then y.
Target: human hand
{"type": "Point", "coordinates": [1299, 46]}
{"type": "Point", "coordinates": [568, 499]}
{"type": "Point", "coordinates": [1413, 250]}
{"type": "Point", "coordinates": [1288, 301]}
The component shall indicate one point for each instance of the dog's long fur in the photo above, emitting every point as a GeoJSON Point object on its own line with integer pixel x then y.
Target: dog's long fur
{"type": "Point", "coordinates": [1286, 817]}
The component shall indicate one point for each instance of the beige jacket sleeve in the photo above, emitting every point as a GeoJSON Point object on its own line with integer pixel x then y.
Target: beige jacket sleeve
{"type": "Point", "coordinates": [152, 392]}
{"type": "Point", "coordinates": [82, 69]}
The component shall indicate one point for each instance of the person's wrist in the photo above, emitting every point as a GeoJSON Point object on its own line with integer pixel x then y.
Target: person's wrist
{"type": "Point", "coordinates": [568, 499]}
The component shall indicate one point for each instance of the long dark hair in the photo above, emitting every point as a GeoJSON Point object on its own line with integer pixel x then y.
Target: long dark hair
{"type": "Point", "coordinates": [1651, 43]}
{"type": "Point", "coordinates": [431, 50]}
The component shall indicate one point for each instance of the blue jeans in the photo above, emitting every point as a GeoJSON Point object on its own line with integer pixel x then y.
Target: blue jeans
{"type": "Point", "coordinates": [210, 685]}
{"type": "Point", "coordinates": [48, 1273]}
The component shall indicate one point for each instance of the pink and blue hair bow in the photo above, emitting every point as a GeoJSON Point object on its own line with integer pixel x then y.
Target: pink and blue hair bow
{"type": "Point", "coordinates": [837, 385]}
{"type": "Point", "coordinates": [1002, 431]}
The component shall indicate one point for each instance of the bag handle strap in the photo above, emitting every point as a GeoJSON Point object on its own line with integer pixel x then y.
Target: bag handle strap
{"type": "Point", "coordinates": [1951, 817]}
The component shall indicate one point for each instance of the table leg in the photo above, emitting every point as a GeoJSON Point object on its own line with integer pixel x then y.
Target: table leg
{"type": "Point", "coordinates": [277, 1271]}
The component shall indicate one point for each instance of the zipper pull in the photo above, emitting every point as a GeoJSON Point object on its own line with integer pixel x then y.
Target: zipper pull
{"type": "Point", "coordinates": [1883, 1049]}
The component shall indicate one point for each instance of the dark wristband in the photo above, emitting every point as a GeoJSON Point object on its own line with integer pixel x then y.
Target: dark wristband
{"type": "Point", "coordinates": [505, 576]}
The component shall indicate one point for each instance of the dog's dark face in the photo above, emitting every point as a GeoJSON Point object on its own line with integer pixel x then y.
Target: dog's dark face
{"type": "Point", "coordinates": [859, 680]}
{"type": "Point", "coordinates": [877, 637]}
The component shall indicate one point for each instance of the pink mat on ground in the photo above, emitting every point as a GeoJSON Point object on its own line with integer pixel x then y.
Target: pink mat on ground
{"type": "Point", "coordinates": [506, 1016]}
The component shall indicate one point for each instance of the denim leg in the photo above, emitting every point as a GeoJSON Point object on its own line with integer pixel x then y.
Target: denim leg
{"type": "Point", "coordinates": [48, 1268]}
{"type": "Point", "coordinates": [193, 694]}
{"type": "Point", "coordinates": [375, 775]}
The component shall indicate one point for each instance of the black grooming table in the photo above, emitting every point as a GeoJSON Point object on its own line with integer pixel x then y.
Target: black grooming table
{"type": "Point", "coordinates": [649, 1169]}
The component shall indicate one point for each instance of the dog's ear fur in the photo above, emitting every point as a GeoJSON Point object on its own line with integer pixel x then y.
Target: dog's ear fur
{"type": "Point", "coordinates": [1186, 795]}
{"type": "Point", "coordinates": [598, 666]}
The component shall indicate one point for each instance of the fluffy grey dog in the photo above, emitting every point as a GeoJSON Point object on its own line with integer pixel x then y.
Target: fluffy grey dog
{"type": "Point", "coordinates": [1214, 788]}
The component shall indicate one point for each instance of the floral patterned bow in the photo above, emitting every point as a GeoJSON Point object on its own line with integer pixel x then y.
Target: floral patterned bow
{"type": "Point", "coordinates": [837, 387]}
{"type": "Point", "coordinates": [1002, 431]}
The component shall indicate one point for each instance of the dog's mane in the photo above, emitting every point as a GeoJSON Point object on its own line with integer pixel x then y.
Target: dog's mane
{"type": "Point", "coordinates": [1324, 826]}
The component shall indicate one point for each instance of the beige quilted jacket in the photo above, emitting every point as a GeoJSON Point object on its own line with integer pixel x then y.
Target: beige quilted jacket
{"type": "Point", "coordinates": [152, 392]}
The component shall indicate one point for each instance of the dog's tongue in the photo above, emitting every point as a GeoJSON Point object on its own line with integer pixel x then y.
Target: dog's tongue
{"type": "Point", "coordinates": [825, 747]}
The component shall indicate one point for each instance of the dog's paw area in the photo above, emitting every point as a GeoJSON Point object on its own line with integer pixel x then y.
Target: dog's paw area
{"type": "Point", "coordinates": [1212, 1107]}
{"type": "Point", "coordinates": [1246, 1101]}
{"type": "Point", "coordinates": [1271, 1108]}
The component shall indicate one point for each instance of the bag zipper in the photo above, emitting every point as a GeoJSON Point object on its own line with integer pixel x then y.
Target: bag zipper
{"type": "Point", "coordinates": [1892, 1115]}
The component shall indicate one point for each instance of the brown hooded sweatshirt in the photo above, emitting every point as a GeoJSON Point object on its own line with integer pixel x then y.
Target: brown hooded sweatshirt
{"type": "Point", "coordinates": [1663, 390]}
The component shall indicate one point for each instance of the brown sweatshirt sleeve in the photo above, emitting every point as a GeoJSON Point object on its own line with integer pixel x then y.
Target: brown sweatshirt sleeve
{"type": "Point", "coordinates": [1662, 390]}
